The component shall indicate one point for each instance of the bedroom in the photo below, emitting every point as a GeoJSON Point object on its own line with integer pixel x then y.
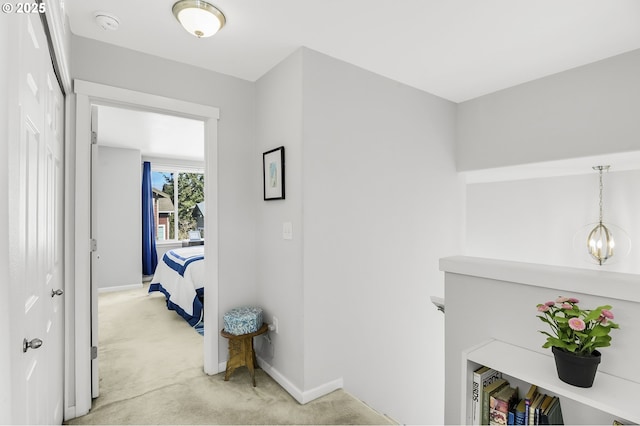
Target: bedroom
{"type": "Point", "coordinates": [367, 248]}
{"type": "Point", "coordinates": [171, 149]}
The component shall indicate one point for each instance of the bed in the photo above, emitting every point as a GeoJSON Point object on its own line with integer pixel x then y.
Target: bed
{"type": "Point", "coordinates": [180, 277]}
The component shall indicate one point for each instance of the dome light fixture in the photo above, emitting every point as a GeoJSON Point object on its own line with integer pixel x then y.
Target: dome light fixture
{"type": "Point", "coordinates": [198, 17]}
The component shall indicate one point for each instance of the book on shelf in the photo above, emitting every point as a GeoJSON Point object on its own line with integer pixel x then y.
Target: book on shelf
{"type": "Point", "coordinates": [487, 391]}
{"type": "Point", "coordinates": [552, 415]}
{"type": "Point", "coordinates": [482, 377]}
{"type": "Point", "coordinates": [500, 403]}
{"type": "Point", "coordinates": [544, 405]}
{"type": "Point", "coordinates": [534, 405]}
{"type": "Point", "coordinates": [519, 413]}
{"type": "Point", "coordinates": [528, 399]}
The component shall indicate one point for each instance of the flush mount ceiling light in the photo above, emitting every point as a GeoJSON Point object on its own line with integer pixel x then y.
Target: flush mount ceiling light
{"type": "Point", "coordinates": [199, 17]}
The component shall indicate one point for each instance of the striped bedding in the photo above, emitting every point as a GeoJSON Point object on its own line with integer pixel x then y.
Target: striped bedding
{"type": "Point", "coordinates": [180, 277]}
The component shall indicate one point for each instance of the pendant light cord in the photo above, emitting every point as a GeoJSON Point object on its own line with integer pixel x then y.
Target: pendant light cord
{"type": "Point", "coordinates": [601, 186]}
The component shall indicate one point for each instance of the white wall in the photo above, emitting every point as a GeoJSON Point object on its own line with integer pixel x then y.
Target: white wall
{"type": "Point", "coordinates": [6, 31]}
{"type": "Point", "coordinates": [585, 111]}
{"type": "Point", "coordinates": [104, 63]}
{"type": "Point", "coordinates": [117, 183]}
{"type": "Point", "coordinates": [382, 203]}
{"type": "Point", "coordinates": [280, 280]}
{"type": "Point", "coordinates": [374, 200]}
{"type": "Point", "coordinates": [537, 220]}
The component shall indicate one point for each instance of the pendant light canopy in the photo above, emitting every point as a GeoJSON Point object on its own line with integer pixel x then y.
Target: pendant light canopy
{"type": "Point", "coordinates": [198, 17]}
{"type": "Point", "coordinates": [600, 242]}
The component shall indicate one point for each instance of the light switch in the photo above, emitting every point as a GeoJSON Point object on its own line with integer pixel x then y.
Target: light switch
{"type": "Point", "coordinates": [287, 231]}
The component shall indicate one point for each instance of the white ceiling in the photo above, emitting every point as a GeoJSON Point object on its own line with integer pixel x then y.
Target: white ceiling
{"type": "Point", "coordinates": [456, 49]}
{"type": "Point", "coordinates": [155, 135]}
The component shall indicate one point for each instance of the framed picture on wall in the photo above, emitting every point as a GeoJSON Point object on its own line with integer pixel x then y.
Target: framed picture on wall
{"type": "Point", "coordinates": [273, 174]}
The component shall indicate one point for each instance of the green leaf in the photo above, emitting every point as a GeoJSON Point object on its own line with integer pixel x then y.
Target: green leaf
{"type": "Point", "coordinates": [593, 315]}
{"type": "Point", "coordinates": [599, 330]}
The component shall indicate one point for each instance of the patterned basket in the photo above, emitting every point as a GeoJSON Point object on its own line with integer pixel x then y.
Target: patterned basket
{"type": "Point", "coordinates": [244, 320]}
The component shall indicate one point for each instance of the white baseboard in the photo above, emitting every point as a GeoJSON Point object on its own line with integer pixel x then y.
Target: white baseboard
{"type": "Point", "coordinates": [301, 396]}
{"type": "Point", "coordinates": [119, 288]}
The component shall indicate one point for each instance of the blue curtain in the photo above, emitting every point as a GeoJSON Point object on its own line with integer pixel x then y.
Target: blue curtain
{"type": "Point", "coordinates": [149, 254]}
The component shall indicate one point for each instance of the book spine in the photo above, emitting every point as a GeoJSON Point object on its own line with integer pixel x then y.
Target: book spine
{"type": "Point", "coordinates": [476, 404]}
{"type": "Point", "coordinates": [479, 382]}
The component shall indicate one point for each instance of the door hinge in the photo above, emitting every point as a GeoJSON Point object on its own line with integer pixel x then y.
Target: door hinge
{"type": "Point", "coordinates": [94, 138]}
{"type": "Point", "coordinates": [94, 352]}
{"type": "Point", "coordinates": [94, 244]}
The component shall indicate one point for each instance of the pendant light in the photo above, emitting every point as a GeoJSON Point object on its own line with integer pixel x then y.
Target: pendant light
{"type": "Point", "coordinates": [600, 242]}
{"type": "Point", "coordinates": [198, 17]}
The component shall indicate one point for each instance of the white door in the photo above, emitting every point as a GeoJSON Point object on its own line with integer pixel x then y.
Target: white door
{"type": "Point", "coordinates": [36, 266]}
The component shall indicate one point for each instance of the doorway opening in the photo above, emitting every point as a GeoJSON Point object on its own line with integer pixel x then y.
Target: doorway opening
{"type": "Point", "coordinates": [85, 328]}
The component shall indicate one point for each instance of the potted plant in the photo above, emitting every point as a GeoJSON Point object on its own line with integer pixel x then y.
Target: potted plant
{"type": "Point", "coordinates": [575, 336]}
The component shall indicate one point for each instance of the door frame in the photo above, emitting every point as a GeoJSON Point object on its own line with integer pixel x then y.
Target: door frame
{"type": "Point", "coordinates": [86, 94]}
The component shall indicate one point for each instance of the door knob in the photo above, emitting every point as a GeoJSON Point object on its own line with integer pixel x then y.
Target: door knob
{"type": "Point", "coordinates": [57, 292]}
{"type": "Point", "coordinates": [33, 344]}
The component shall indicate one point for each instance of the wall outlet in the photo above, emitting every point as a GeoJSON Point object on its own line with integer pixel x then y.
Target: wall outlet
{"type": "Point", "coordinates": [275, 324]}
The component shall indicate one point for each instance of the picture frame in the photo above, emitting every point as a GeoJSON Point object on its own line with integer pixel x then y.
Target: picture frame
{"type": "Point", "coordinates": [273, 174]}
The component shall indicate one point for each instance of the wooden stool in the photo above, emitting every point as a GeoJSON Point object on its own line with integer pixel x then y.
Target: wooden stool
{"type": "Point", "coordinates": [241, 352]}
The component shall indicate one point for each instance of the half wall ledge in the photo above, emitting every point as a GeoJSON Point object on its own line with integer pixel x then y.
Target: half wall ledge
{"type": "Point", "coordinates": [615, 285]}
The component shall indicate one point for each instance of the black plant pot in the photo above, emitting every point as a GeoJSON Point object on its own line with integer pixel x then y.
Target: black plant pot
{"type": "Point", "coordinates": [577, 370]}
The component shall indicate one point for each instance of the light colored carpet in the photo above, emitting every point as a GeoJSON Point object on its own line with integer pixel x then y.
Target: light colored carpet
{"type": "Point", "coordinates": [151, 372]}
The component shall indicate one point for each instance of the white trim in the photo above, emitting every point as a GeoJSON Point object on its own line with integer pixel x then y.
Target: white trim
{"type": "Point", "coordinates": [189, 166]}
{"type": "Point", "coordinates": [56, 23]}
{"type": "Point", "coordinates": [69, 260]}
{"type": "Point", "coordinates": [82, 257]}
{"type": "Point", "coordinates": [119, 288]}
{"type": "Point", "coordinates": [146, 101]}
{"type": "Point", "coordinates": [211, 237]}
{"type": "Point", "coordinates": [88, 93]}
{"type": "Point", "coordinates": [302, 397]}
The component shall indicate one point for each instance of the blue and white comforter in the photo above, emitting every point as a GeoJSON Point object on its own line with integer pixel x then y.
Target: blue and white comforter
{"type": "Point", "coordinates": [180, 277]}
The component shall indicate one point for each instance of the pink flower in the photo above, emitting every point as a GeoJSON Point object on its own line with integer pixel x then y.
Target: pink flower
{"type": "Point", "coordinates": [573, 300]}
{"type": "Point", "coordinates": [606, 313]}
{"type": "Point", "coordinates": [567, 306]}
{"type": "Point", "coordinates": [543, 308]}
{"type": "Point", "coordinates": [577, 324]}
{"type": "Point", "coordinates": [605, 316]}
{"type": "Point", "coordinates": [550, 303]}
{"type": "Point", "coordinates": [562, 299]}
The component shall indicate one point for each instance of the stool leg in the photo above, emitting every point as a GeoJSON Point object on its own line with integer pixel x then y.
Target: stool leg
{"type": "Point", "coordinates": [249, 357]}
{"type": "Point", "coordinates": [236, 355]}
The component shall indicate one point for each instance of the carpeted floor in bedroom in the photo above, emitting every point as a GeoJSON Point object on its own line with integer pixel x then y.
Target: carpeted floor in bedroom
{"type": "Point", "coordinates": [151, 372]}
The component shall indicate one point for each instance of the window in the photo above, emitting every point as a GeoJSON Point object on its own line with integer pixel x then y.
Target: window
{"type": "Point", "coordinates": [178, 203]}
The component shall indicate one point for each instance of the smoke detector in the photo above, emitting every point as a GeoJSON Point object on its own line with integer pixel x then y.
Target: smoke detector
{"type": "Point", "coordinates": [107, 21]}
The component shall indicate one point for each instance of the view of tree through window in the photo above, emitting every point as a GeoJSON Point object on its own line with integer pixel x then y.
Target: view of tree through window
{"type": "Point", "coordinates": [178, 203]}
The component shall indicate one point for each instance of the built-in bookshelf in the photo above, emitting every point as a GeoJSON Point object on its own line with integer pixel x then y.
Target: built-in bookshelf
{"type": "Point", "coordinates": [615, 398]}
